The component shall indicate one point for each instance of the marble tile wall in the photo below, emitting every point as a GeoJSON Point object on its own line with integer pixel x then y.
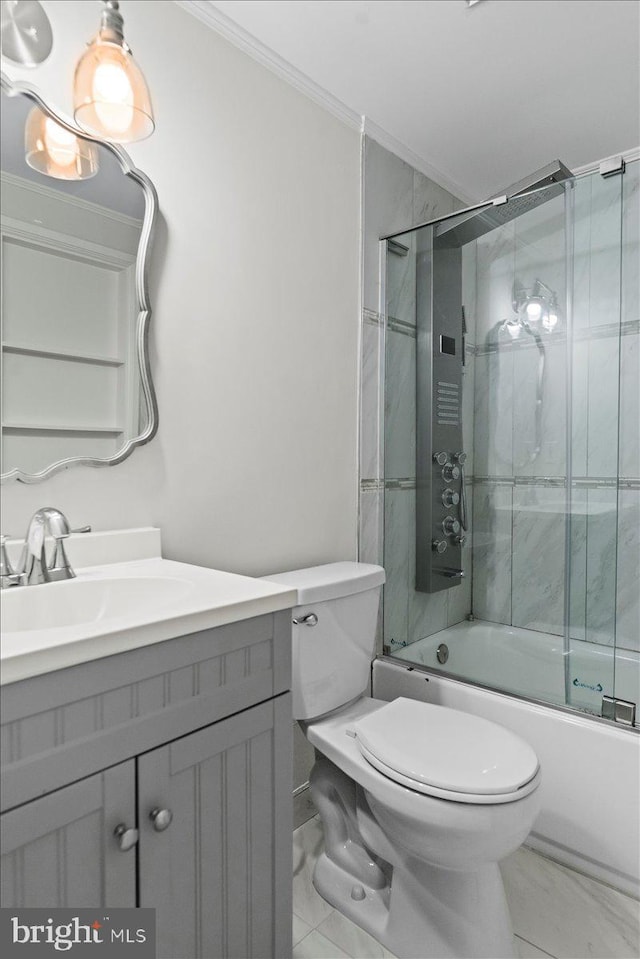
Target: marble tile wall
{"type": "Point", "coordinates": [518, 552]}
{"type": "Point", "coordinates": [519, 556]}
{"type": "Point", "coordinates": [538, 558]}
{"type": "Point", "coordinates": [396, 197]}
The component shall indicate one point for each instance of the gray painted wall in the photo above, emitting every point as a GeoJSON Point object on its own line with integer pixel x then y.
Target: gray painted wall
{"type": "Point", "coordinates": [255, 295]}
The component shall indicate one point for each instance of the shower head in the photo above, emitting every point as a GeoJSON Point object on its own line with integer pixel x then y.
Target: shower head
{"type": "Point", "coordinates": [523, 196]}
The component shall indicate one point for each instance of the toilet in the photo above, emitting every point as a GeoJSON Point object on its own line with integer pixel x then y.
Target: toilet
{"type": "Point", "coordinates": [418, 802]}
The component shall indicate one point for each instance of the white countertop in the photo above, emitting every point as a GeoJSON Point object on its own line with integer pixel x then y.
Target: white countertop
{"type": "Point", "coordinates": [183, 599]}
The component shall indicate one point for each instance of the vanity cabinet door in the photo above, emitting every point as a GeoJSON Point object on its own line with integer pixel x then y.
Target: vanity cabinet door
{"type": "Point", "coordinates": [219, 872]}
{"type": "Point", "coordinates": [61, 850]}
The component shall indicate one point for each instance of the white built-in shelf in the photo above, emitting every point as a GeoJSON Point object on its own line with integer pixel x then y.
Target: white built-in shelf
{"type": "Point", "coordinates": [59, 428]}
{"type": "Point", "coordinates": [95, 359]}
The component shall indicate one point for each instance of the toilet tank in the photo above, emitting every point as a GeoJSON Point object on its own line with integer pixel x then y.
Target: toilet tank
{"type": "Point", "coordinates": [331, 660]}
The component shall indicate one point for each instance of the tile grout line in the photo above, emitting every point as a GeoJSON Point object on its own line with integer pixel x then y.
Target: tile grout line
{"type": "Point", "coordinates": [535, 945]}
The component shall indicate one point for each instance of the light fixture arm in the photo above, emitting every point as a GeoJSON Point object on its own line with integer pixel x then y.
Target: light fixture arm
{"type": "Point", "coordinates": [112, 23]}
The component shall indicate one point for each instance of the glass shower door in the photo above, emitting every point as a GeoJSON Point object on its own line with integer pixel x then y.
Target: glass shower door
{"type": "Point", "coordinates": [547, 292]}
{"type": "Point", "coordinates": [604, 446]}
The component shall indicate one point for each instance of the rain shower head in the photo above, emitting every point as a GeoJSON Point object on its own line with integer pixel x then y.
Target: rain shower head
{"type": "Point", "coordinates": [527, 194]}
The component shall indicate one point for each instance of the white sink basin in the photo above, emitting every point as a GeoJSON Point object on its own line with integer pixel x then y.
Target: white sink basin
{"type": "Point", "coordinates": [122, 606]}
{"type": "Point", "coordinates": [80, 601]}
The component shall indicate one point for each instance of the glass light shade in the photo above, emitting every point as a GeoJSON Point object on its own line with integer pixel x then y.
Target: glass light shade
{"type": "Point", "coordinates": [111, 98]}
{"type": "Point", "coordinates": [550, 320]}
{"type": "Point", "coordinates": [56, 152]}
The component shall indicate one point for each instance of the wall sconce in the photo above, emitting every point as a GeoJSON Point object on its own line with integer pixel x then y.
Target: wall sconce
{"type": "Point", "coordinates": [57, 152]}
{"type": "Point", "coordinates": [111, 98]}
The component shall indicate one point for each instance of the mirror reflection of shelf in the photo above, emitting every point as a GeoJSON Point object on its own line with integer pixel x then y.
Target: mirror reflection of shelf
{"type": "Point", "coordinates": [59, 428]}
{"type": "Point", "coordinates": [97, 360]}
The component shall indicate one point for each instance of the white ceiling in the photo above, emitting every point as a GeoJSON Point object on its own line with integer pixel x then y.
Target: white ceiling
{"type": "Point", "coordinates": [484, 94]}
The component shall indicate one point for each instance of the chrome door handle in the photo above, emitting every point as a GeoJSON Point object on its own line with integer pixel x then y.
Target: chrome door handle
{"type": "Point", "coordinates": [309, 620]}
{"type": "Point", "coordinates": [161, 818]}
{"type": "Point", "coordinates": [127, 838]}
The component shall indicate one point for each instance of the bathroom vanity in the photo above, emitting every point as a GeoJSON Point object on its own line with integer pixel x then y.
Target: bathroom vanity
{"type": "Point", "coordinates": [156, 771]}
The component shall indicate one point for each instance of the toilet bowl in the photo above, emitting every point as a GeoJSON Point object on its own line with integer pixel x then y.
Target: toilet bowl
{"type": "Point", "coordinates": [419, 802]}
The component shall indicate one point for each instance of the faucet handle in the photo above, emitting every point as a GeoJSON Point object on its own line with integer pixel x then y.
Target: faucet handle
{"type": "Point", "coordinates": [6, 569]}
{"type": "Point", "coordinates": [8, 575]}
{"type": "Point", "coordinates": [60, 567]}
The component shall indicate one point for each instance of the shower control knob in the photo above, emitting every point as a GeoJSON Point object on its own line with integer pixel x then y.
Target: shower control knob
{"type": "Point", "coordinates": [449, 498]}
{"type": "Point", "coordinates": [440, 458]}
{"type": "Point", "coordinates": [451, 526]}
{"type": "Point", "coordinates": [460, 540]}
{"type": "Point", "coordinates": [439, 545]}
{"type": "Point", "coordinates": [460, 458]}
{"type": "Point", "coordinates": [450, 472]}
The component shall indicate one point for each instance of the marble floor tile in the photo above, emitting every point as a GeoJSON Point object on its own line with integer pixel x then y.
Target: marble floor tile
{"type": "Point", "coordinates": [567, 914]}
{"type": "Point", "coordinates": [316, 946]}
{"type": "Point", "coordinates": [527, 950]}
{"type": "Point", "coordinates": [556, 912]}
{"type": "Point", "coordinates": [303, 808]}
{"type": "Point", "coordinates": [300, 929]}
{"type": "Point", "coordinates": [350, 937]}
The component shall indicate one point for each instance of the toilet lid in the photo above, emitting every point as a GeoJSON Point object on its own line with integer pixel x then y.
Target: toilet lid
{"type": "Point", "coordinates": [433, 748]}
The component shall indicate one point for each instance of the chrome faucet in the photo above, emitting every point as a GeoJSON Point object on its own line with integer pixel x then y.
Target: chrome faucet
{"type": "Point", "coordinates": [34, 568]}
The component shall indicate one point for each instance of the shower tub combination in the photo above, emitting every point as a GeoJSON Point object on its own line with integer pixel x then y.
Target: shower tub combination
{"type": "Point", "coordinates": [507, 345]}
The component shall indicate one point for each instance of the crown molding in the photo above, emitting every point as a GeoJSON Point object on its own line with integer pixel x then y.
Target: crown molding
{"type": "Point", "coordinates": [231, 31]}
{"type": "Point", "coordinates": [627, 155]}
{"type": "Point", "coordinates": [208, 14]}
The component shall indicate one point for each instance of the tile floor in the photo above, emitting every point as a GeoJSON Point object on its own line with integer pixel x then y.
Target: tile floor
{"type": "Point", "coordinates": [556, 912]}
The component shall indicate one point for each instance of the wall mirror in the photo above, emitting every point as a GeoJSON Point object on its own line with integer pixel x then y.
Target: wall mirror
{"type": "Point", "coordinates": [77, 219]}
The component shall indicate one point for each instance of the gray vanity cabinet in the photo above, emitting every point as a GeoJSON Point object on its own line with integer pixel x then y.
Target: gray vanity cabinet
{"type": "Point", "coordinates": [61, 849]}
{"type": "Point", "coordinates": [188, 741]}
{"type": "Point", "coordinates": [209, 874]}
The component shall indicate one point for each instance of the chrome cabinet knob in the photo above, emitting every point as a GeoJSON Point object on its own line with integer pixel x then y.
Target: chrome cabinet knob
{"type": "Point", "coordinates": [161, 819]}
{"type": "Point", "coordinates": [439, 545]}
{"type": "Point", "coordinates": [451, 526]}
{"type": "Point", "coordinates": [440, 458]}
{"type": "Point", "coordinates": [450, 472]}
{"type": "Point", "coordinates": [127, 838]}
{"type": "Point", "coordinates": [449, 498]}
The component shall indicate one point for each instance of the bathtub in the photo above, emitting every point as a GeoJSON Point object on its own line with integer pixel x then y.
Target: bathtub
{"type": "Point", "coordinates": [590, 788]}
{"type": "Point", "coordinates": [529, 663]}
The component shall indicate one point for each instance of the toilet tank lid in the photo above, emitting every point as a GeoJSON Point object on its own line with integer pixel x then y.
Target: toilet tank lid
{"type": "Point", "coordinates": [317, 584]}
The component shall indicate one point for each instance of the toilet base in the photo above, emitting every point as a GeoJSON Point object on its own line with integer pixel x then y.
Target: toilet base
{"type": "Point", "coordinates": [438, 915]}
{"type": "Point", "coordinates": [367, 907]}
{"type": "Point", "coordinates": [416, 909]}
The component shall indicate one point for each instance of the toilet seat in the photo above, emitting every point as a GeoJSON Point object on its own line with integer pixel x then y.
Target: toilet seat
{"type": "Point", "coordinates": [446, 753]}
